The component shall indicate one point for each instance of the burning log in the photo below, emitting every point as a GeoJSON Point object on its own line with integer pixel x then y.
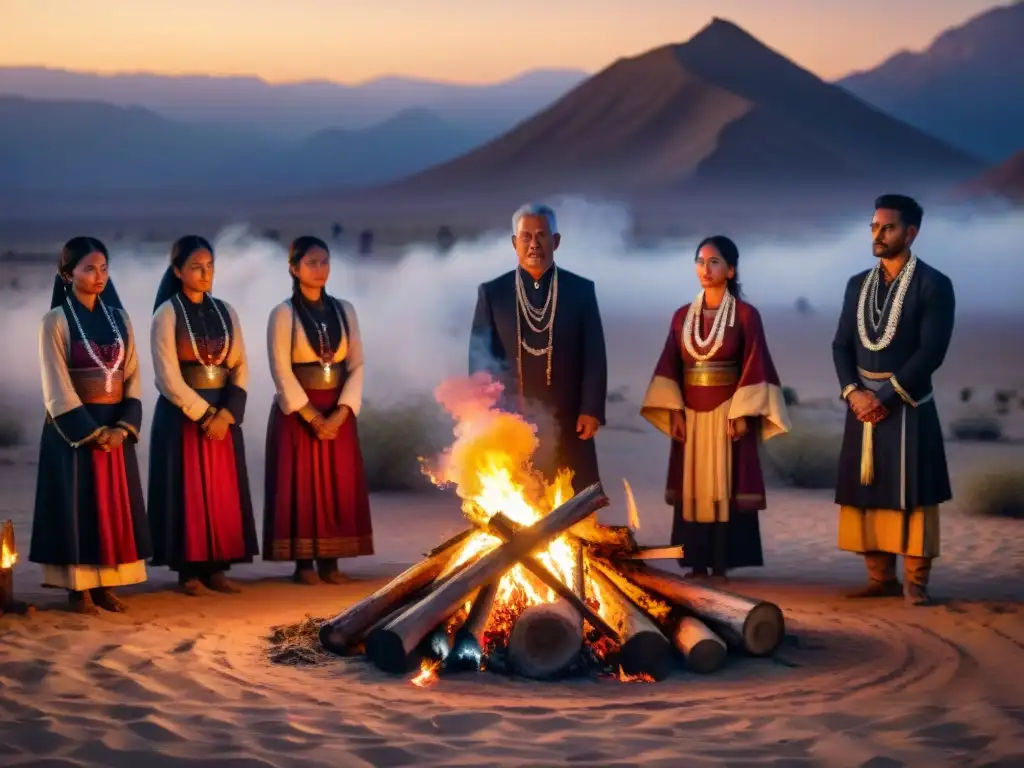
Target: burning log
{"type": "Point", "coordinates": [756, 627]}
{"type": "Point", "coordinates": [468, 644]}
{"type": "Point", "coordinates": [704, 651]}
{"type": "Point", "coordinates": [389, 649]}
{"type": "Point", "coordinates": [605, 538]}
{"type": "Point", "coordinates": [349, 628]}
{"type": "Point", "coordinates": [545, 640]}
{"type": "Point", "coordinates": [646, 651]}
{"type": "Point", "coordinates": [506, 529]}
{"type": "Point", "coordinates": [8, 557]}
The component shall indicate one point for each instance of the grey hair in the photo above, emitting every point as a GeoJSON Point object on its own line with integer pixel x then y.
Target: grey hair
{"type": "Point", "coordinates": [535, 209]}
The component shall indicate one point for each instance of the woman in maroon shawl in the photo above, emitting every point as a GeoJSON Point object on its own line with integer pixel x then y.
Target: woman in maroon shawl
{"type": "Point", "coordinates": [317, 504]}
{"type": "Point", "coordinates": [200, 511]}
{"type": "Point", "coordinates": [89, 527]}
{"type": "Point", "coordinates": [716, 394]}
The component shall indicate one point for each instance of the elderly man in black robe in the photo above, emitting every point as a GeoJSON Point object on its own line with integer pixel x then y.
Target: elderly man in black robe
{"type": "Point", "coordinates": [893, 334]}
{"type": "Point", "coordinates": [538, 330]}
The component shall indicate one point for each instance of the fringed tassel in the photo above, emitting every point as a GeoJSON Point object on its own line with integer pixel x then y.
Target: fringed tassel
{"type": "Point", "coordinates": [867, 454]}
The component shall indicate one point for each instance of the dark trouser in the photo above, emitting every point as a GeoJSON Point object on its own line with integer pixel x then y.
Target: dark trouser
{"type": "Point", "coordinates": [882, 568]}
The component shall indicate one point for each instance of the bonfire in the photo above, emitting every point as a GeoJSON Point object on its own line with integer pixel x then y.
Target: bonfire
{"type": "Point", "coordinates": [535, 586]}
{"type": "Point", "coordinates": [8, 558]}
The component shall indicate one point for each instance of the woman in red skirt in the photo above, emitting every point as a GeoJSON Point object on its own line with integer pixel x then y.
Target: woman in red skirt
{"type": "Point", "coordinates": [89, 529]}
{"type": "Point", "coordinates": [317, 507]}
{"type": "Point", "coordinates": [200, 512]}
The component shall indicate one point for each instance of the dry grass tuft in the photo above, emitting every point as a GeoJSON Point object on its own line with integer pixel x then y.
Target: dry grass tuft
{"type": "Point", "coordinates": [807, 457]}
{"type": "Point", "coordinates": [995, 492]}
{"type": "Point", "coordinates": [296, 644]}
{"type": "Point", "coordinates": [395, 437]}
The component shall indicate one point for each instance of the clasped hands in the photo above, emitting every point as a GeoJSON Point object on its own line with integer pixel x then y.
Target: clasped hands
{"type": "Point", "coordinates": [110, 438]}
{"type": "Point", "coordinates": [737, 427]}
{"type": "Point", "coordinates": [327, 427]}
{"type": "Point", "coordinates": [216, 424]}
{"type": "Point", "coordinates": [866, 407]}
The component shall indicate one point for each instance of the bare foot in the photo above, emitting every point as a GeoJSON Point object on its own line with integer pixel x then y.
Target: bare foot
{"type": "Point", "coordinates": [306, 576]}
{"type": "Point", "coordinates": [81, 602]}
{"type": "Point", "coordinates": [108, 601]}
{"type": "Point", "coordinates": [334, 576]}
{"type": "Point", "coordinates": [219, 582]}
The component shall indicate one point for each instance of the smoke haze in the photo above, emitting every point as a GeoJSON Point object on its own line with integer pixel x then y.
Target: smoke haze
{"type": "Point", "coordinates": [415, 315]}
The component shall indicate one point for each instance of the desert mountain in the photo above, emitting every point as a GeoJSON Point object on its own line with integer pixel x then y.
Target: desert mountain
{"type": "Point", "coordinates": [69, 149]}
{"type": "Point", "coordinates": [1005, 181]}
{"type": "Point", "coordinates": [296, 110]}
{"type": "Point", "coordinates": [966, 88]}
{"type": "Point", "coordinates": [719, 111]}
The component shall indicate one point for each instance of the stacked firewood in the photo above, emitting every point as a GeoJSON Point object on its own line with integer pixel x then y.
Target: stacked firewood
{"type": "Point", "coordinates": [620, 616]}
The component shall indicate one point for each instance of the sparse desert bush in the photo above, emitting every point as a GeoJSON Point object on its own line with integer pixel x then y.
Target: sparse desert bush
{"type": "Point", "coordinates": [978, 428]}
{"type": "Point", "coordinates": [11, 431]}
{"type": "Point", "coordinates": [790, 397]}
{"type": "Point", "coordinates": [807, 457]}
{"type": "Point", "coordinates": [996, 492]}
{"type": "Point", "coordinates": [394, 437]}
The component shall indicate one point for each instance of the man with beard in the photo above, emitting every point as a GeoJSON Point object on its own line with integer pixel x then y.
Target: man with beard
{"type": "Point", "coordinates": [894, 330]}
{"type": "Point", "coordinates": [537, 329]}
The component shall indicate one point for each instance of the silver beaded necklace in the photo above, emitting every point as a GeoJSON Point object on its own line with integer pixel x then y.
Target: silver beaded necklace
{"type": "Point", "coordinates": [324, 337]}
{"type": "Point", "coordinates": [108, 373]}
{"type": "Point", "coordinates": [210, 364]}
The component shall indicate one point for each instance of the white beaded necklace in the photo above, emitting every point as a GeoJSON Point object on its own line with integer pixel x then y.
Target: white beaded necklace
{"type": "Point", "coordinates": [108, 373]}
{"type": "Point", "coordinates": [725, 315]}
{"type": "Point", "coordinates": [210, 363]}
{"type": "Point", "coordinates": [868, 288]}
{"type": "Point", "coordinates": [524, 309]}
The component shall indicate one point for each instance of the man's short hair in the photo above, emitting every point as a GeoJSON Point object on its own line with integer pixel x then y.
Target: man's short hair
{"type": "Point", "coordinates": [909, 209]}
{"type": "Point", "coordinates": [535, 209]}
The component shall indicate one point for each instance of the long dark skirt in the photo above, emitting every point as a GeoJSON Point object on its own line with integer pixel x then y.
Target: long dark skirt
{"type": "Point", "coordinates": [317, 505]}
{"type": "Point", "coordinates": [721, 546]}
{"type": "Point", "coordinates": [909, 461]}
{"type": "Point", "coordinates": [200, 508]}
{"type": "Point", "coordinates": [89, 507]}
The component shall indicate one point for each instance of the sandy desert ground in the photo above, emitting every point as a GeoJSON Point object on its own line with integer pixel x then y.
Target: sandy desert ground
{"type": "Point", "coordinates": [183, 681]}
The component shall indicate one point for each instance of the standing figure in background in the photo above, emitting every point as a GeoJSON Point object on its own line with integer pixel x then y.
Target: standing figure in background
{"type": "Point", "coordinates": [894, 330]}
{"type": "Point", "coordinates": [716, 394]}
{"type": "Point", "coordinates": [89, 528]}
{"type": "Point", "coordinates": [200, 508]}
{"type": "Point", "coordinates": [537, 329]}
{"type": "Point", "coordinates": [317, 506]}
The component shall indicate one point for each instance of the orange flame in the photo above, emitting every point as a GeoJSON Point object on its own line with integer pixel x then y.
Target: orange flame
{"type": "Point", "coordinates": [8, 557]}
{"type": "Point", "coordinates": [427, 674]}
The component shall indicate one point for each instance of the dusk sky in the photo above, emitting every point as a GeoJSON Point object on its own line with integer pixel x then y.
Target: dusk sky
{"type": "Point", "coordinates": [455, 40]}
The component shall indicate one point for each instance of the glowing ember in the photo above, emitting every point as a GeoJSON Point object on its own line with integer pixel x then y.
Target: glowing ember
{"type": "Point", "coordinates": [427, 675]}
{"type": "Point", "coordinates": [8, 557]}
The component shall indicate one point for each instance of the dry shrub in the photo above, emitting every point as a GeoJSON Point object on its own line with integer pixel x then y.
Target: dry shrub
{"type": "Point", "coordinates": [790, 396]}
{"type": "Point", "coordinates": [978, 428]}
{"type": "Point", "coordinates": [394, 437]}
{"type": "Point", "coordinates": [11, 431]}
{"type": "Point", "coordinates": [996, 492]}
{"type": "Point", "coordinates": [807, 457]}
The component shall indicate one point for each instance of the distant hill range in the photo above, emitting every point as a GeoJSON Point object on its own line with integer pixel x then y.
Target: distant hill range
{"type": "Point", "coordinates": [719, 112]}
{"type": "Point", "coordinates": [966, 88]}
{"type": "Point", "coordinates": [297, 110]}
{"type": "Point", "coordinates": [1005, 181]}
{"type": "Point", "coordinates": [719, 115]}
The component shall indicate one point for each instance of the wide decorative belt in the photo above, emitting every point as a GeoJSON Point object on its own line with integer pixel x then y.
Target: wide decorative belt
{"type": "Point", "coordinates": [314, 376]}
{"type": "Point", "coordinates": [711, 374]}
{"type": "Point", "coordinates": [91, 386]}
{"type": "Point", "coordinates": [205, 376]}
{"type": "Point", "coordinates": [873, 381]}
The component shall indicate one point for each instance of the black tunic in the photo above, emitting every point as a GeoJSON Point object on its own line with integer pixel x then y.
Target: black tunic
{"type": "Point", "coordinates": [909, 457]}
{"type": "Point", "coordinates": [579, 375]}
